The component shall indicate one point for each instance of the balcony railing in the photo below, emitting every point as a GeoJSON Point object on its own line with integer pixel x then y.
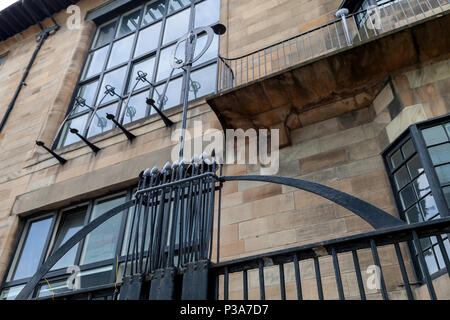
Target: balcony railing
{"type": "Point", "coordinates": [374, 265]}
{"type": "Point", "coordinates": [344, 32]}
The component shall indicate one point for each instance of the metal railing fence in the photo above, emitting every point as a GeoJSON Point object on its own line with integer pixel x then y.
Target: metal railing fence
{"type": "Point", "coordinates": [345, 31]}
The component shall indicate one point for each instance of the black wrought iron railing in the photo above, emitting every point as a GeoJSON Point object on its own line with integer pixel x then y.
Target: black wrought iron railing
{"type": "Point", "coordinates": [372, 265]}
{"type": "Point", "coordinates": [343, 32]}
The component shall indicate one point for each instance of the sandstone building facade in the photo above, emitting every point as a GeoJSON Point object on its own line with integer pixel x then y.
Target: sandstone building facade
{"type": "Point", "coordinates": [361, 104]}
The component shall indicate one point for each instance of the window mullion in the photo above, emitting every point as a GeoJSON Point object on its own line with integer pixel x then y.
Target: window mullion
{"type": "Point", "coordinates": [433, 180]}
{"type": "Point", "coordinates": [158, 53]}
{"type": "Point", "coordinates": [129, 66]}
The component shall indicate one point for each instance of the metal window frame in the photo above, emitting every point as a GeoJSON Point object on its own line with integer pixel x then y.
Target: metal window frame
{"type": "Point", "coordinates": [413, 132]}
{"type": "Point", "coordinates": [129, 63]}
{"type": "Point", "coordinates": [56, 215]}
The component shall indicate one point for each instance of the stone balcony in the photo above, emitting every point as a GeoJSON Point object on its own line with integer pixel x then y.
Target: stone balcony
{"type": "Point", "coordinates": [328, 71]}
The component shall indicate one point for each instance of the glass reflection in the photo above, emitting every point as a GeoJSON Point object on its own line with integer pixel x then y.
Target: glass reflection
{"type": "Point", "coordinates": [145, 66]}
{"type": "Point", "coordinates": [415, 166]}
{"type": "Point", "coordinates": [443, 173]}
{"type": "Point", "coordinates": [175, 5]}
{"type": "Point", "coordinates": [440, 154]}
{"type": "Point", "coordinates": [105, 34]}
{"type": "Point", "coordinates": [11, 293]}
{"type": "Point", "coordinates": [95, 62]}
{"type": "Point", "coordinates": [173, 94]}
{"type": "Point", "coordinates": [32, 248]}
{"type": "Point", "coordinates": [137, 108]}
{"type": "Point", "coordinates": [129, 23]}
{"type": "Point", "coordinates": [434, 135]}
{"type": "Point", "coordinates": [87, 92]}
{"type": "Point", "coordinates": [66, 136]}
{"type": "Point", "coordinates": [421, 186]}
{"type": "Point", "coordinates": [120, 51]}
{"type": "Point", "coordinates": [147, 39]}
{"type": "Point", "coordinates": [429, 208]}
{"type": "Point", "coordinates": [200, 83]}
{"type": "Point", "coordinates": [207, 13]}
{"type": "Point", "coordinates": [407, 197]}
{"type": "Point", "coordinates": [71, 222]}
{"type": "Point", "coordinates": [101, 243]}
{"type": "Point", "coordinates": [401, 178]}
{"type": "Point", "coordinates": [211, 53]}
{"type": "Point", "coordinates": [396, 159]}
{"type": "Point", "coordinates": [408, 149]}
{"type": "Point", "coordinates": [154, 11]}
{"type": "Point", "coordinates": [164, 67]}
{"type": "Point", "coordinates": [100, 123]}
{"type": "Point", "coordinates": [413, 215]}
{"type": "Point", "coordinates": [115, 79]}
{"type": "Point", "coordinates": [176, 26]}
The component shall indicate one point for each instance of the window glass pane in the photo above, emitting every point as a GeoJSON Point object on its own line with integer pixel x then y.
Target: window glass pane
{"type": "Point", "coordinates": [71, 222]}
{"type": "Point", "coordinates": [414, 166]}
{"type": "Point", "coordinates": [174, 5]}
{"type": "Point", "coordinates": [121, 51]}
{"type": "Point", "coordinates": [129, 23]}
{"type": "Point", "coordinates": [95, 62]}
{"type": "Point", "coordinates": [408, 149]}
{"type": "Point", "coordinates": [443, 173]}
{"type": "Point", "coordinates": [87, 92]}
{"type": "Point", "coordinates": [137, 108]}
{"type": "Point", "coordinates": [421, 185]}
{"type": "Point", "coordinates": [434, 135]}
{"type": "Point", "coordinates": [154, 11]}
{"type": "Point", "coordinates": [32, 248]}
{"type": "Point", "coordinates": [101, 243]}
{"type": "Point", "coordinates": [430, 261]}
{"type": "Point", "coordinates": [407, 196]}
{"type": "Point", "coordinates": [202, 82]}
{"type": "Point", "coordinates": [99, 123]}
{"type": "Point", "coordinates": [176, 26]}
{"type": "Point", "coordinates": [428, 206]}
{"type": "Point", "coordinates": [447, 195]}
{"type": "Point", "coordinates": [96, 277]}
{"type": "Point", "coordinates": [396, 159]}
{"type": "Point", "coordinates": [57, 287]}
{"type": "Point", "coordinates": [105, 34]}
{"type": "Point", "coordinates": [66, 136]}
{"type": "Point", "coordinates": [164, 67]}
{"type": "Point", "coordinates": [439, 257]}
{"type": "Point", "coordinates": [413, 215]}
{"type": "Point", "coordinates": [173, 94]}
{"type": "Point", "coordinates": [11, 293]}
{"type": "Point", "coordinates": [145, 66]}
{"type": "Point", "coordinates": [212, 51]}
{"type": "Point", "coordinates": [148, 39]}
{"type": "Point", "coordinates": [115, 79]}
{"type": "Point", "coordinates": [207, 13]}
{"type": "Point", "coordinates": [401, 177]}
{"type": "Point", "coordinates": [440, 154]}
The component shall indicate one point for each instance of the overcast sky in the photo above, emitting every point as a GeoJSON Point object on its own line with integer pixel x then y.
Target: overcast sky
{"type": "Point", "coordinates": [6, 3]}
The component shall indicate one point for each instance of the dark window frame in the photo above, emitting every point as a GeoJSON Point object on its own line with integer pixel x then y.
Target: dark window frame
{"type": "Point", "coordinates": [60, 274]}
{"type": "Point", "coordinates": [129, 63]}
{"type": "Point", "coordinates": [413, 133]}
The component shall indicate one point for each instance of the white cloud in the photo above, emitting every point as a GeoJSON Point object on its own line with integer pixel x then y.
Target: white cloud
{"type": "Point", "coordinates": [6, 3]}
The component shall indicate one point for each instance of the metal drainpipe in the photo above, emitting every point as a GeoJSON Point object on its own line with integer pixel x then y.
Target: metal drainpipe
{"type": "Point", "coordinates": [42, 36]}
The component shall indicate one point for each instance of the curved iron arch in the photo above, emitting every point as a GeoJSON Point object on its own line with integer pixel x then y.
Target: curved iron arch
{"type": "Point", "coordinates": [376, 217]}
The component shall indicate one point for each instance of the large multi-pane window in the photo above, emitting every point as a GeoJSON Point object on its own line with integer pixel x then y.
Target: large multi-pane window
{"type": "Point", "coordinates": [418, 165]}
{"type": "Point", "coordinates": [97, 255]}
{"type": "Point", "coordinates": [142, 39]}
